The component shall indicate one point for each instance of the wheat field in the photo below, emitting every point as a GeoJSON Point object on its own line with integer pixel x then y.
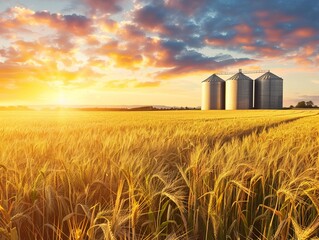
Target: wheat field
{"type": "Point", "coordinates": [159, 175]}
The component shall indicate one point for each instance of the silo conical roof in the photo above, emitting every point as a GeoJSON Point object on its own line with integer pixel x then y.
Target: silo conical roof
{"type": "Point", "coordinates": [214, 78]}
{"type": "Point", "coordinates": [240, 77]}
{"type": "Point", "coordinates": [269, 76]}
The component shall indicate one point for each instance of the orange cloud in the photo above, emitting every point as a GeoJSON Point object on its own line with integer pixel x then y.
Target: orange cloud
{"type": "Point", "coordinates": [107, 25]}
{"type": "Point", "coordinates": [103, 6]}
{"type": "Point", "coordinates": [310, 49]}
{"type": "Point", "coordinates": [306, 55]}
{"type": "Point", "coordinates": [124, 59]}
{"type": "Point", "coordinates": [249, 48]}
{"type": "Point", "coordinates": [302, 60]}
{"type": "Point", "coordinates": [215, 42]}
{"type": "Point", "coordinates": [304, 32]}
{"type": "Point", "coordinates": [245, 40]}
{"type": "Point", "coordinates": [270, 52]}
{"type": "Point", "coordinates": [10, 72]}
{"type": "Point", "coordinates": [268, 19]}
{"type": "Point", "coordinates": [273, 35]}
{"type": "Point", "coordinates": [147, 84]}
{"type": "Point", "coordinates": [76, 24]}
{"type": "Point", "coordinates": [125, 54]}
{"type": "Point", "coordinates": [131, 31]}
{"type": "Point", "coordinates": [37, 54]}
{"type": "Point", "coordinates": [187, 6]}
{"type": "Point", "coordinates": [243, 29]}
{"type": "Point", "coordinates": [19, 18]}
{"type": "Point", "coordinates": [253, 68]}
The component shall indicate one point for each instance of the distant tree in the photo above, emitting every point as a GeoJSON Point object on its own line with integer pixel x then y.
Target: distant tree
{"type": "Point", "coordinates": [291, 106]}
{"type": "Point", "coordinates": [304, 104]}
{"type": "Point", "coordinates": [309, 104]}
{"type": "Point", "coordinates": [301, 104]}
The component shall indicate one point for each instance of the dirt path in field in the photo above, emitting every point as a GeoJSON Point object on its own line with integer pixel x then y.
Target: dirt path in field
{"type": "Point", "coordinates": [258, 129]}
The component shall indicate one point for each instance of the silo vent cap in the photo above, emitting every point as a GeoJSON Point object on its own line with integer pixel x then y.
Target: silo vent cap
{"type": "Point", "coordinates": [240, 77]}
{"type": "Point", "coordinates": [214, 78]}
{"type": "Point", "coordinates": [268, 76]}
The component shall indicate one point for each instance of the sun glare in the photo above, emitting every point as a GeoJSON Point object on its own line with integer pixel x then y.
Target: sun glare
{"type": "Point", "coordinates": [62, 99]}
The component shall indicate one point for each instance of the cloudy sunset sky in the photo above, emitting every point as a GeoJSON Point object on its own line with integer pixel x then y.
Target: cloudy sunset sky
{"type": "Point", "coordinates": [151, 52]}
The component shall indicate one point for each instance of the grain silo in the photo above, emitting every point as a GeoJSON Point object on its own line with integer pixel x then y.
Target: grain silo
{"type": "Point", "coordinates": [239, 92]}
{"type": "Point", "coordinates": [268, 91]}
{"type": "Point", "coordinates": [213, 93]}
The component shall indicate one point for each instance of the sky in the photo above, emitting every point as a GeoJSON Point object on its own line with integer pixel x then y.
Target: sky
{"type": "Point", "coordinates": [151, 52]}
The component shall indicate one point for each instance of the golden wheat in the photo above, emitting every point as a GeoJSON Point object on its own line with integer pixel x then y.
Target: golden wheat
{"type": "Point", "coordinates": [159, 175]}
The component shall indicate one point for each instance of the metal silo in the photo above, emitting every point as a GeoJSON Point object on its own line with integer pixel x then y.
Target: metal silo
{"type": "Point", "coordinates": [239, 92]}
{"type": "Point", "coordinates": [213, 93]}
{"type": "Point", "coordinates": [268, 91]}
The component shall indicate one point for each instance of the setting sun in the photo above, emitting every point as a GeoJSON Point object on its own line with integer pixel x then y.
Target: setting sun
{"type": "Point", "coordinates": [62, 99]}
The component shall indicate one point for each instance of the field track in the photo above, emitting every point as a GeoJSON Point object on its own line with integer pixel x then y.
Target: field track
{"type": "Point", "coordinates": [159, 175]}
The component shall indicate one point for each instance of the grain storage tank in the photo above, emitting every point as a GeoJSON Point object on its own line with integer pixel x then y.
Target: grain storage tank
{"type": "Point", "coordinates": [239, 92]}
{"type": "Point", "coordinates": [213, 93]}
{"type": "Point", "coordinates": [268, 91]}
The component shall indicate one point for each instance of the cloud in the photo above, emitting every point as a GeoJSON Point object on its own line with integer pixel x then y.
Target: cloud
{"type": "Point", "coordinates": [46, 66]}
{"type": "Point", "coordinates": [163, 19]}
{"type": "Point", "coordinates": [168, 38]}
{"type": "Point", "coordinates": [131, 31]}
{"type": "Point", "coordinates": [147, 84]}
{"type": "Point", "coordinates": [263, 30]}
{"type": "Point", "coordinates": [39, 53]}
{"type": "Point", "coordinates": [107, 25]}
{"type": "Point", "coordinates": [76, 24]}
{"type": "Point", "coordinates": [169, 58]}
{"type": "Point", "coordinates": [18, 18]}
{"type": "Point", "coordinates": [190, 62]}
{"type": "Point", "coordinates": [12, 74]}
{"type": "Point", "coordinates": [121, 55]}
{"type": "Point", "coordinates": [151, 18]}
{"type": "Point", "coordinates": [103, 6]}
{"type": "Point", "coordinates": [126, 59]}
{"type": "Point", "coordinates": [189, 7]}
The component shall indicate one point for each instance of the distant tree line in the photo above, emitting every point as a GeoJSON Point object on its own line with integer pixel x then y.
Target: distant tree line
{"type": "Point", "coordinates": [58, 108]}
{"type": "Point", "coordinates": [305, 104]}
